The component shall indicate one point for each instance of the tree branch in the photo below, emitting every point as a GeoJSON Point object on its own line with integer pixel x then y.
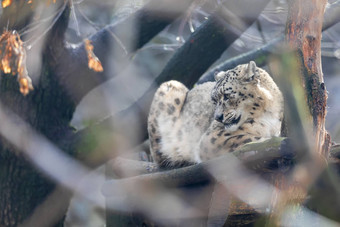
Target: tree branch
{"type": "Point", "coordinates": [264, 158]}
{"type": "Point", "coordinates": [269, 159]}
{"type": "Point", "coordinates": [332, 15]}
{"type": "Point", "coordinates": [207, 44]}
{"type": "Point", "coordinates": [260, 157]}
{"type": "Point", "coordinates": [261, 54]}
{"type": "Point", "coordinates": [303, 34]}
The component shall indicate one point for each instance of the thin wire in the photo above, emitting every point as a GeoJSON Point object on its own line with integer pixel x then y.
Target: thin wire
{"type": "Point", "coordinates": [98, 27]}
{"type": "Point", "coordinates": [74, 16]}
{"type": "Point", "coordinates": [88, 20]}
{"type": "Point", "coordinates": [36, 39]}
{"type": "Point", "coordinates": [32, 26]}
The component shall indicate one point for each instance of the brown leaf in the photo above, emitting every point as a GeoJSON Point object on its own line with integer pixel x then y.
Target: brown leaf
{"type": "Point", "coordinates": [5, 65]}
{"type": "Point", "coordinates": [13, 59]}
{"type": "Point", "coordinates": [25, 85]}
{"type": "Point", "coordinates": [6, 3]}
{"type": "Point", "coordinates": [93, 61]}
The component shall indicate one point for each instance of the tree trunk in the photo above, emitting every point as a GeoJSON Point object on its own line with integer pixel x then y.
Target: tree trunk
{"type": "Point", "coordinates": [303, 34]}
{"type": "Point", "coordinates": [22, 187]}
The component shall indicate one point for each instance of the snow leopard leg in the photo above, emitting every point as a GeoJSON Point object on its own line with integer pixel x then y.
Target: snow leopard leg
{"type": "Point", "coordinates": [216, 141]}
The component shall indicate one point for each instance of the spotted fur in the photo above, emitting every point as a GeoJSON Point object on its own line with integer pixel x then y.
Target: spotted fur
{"type": "Point", "coordinates": [243, 105]}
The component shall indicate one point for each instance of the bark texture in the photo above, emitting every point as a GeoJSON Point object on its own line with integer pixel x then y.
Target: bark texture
{"type": "Point", "coordinates": [22, 186]}
{"type": "Point", "coordinates": [303, 34]}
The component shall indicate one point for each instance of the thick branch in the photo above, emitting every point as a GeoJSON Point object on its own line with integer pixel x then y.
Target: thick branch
{"type": "Point", "coordinates": [269, 159]}
{"type": "Point", "coordinates": [303, 33]}
{"type": "Point", "coordinates": [260, 157]}
{"type": "Point", "coordinates": [261, 55]}
{"type": "Point", "coordinates": [264, 158]}
{"type": "Point", "coordinates": [332, 15]}
{"type": "Point", "coordinates": [207, 44]}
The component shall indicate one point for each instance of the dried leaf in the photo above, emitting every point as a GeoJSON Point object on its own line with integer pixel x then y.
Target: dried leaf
{"type": "Point", "coordinates": [93, 61]}
{"type": "Point", "coordinates": [6, 3]}
{"type": "Point", "coordinates": [5, 65]}
{"type": "Point", "coordinates": [95, 64]}
{"type": "Point", "coordinates": [13, 59]}
{"type": "Point", "coordinates": [25, 85]}
{"type": "Point", "coordinates": [48, 2]}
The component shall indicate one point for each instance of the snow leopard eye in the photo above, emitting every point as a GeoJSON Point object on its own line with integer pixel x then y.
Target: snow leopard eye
{"type": "Point", "coordinates": [250, 78]}
{"type": "Point", "coordinates": [226, 97]}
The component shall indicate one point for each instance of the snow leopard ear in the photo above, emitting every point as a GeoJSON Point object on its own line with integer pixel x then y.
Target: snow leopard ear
{"type": "Point", "coordinates": [251, 72]}
{"type": "Point", "coordinates": [219, 75]}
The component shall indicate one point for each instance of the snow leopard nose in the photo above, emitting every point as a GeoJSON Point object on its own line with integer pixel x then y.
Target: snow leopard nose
{"type": "Point", "coordinates": [219, 117]}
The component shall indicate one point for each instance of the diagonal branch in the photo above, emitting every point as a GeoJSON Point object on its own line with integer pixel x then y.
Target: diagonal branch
{"type": "Point", "coordinates": [260, 55]}
{"type": "Point", "coordinates": [207, 44]}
